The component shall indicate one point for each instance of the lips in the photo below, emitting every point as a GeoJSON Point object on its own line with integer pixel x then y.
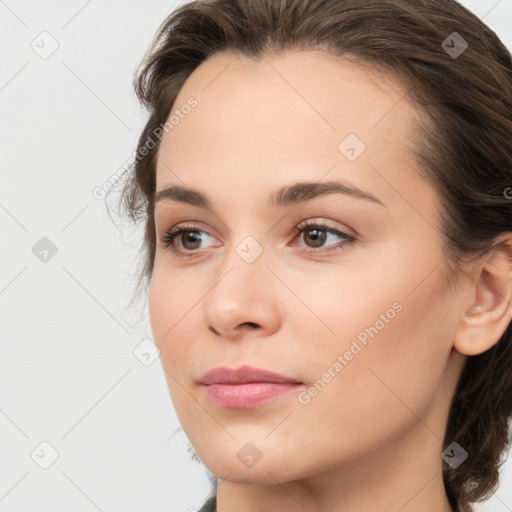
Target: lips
{"type": "Point", "coordinates": [246, 387]}
{"type": "Point", "coordinates": [243, 375]}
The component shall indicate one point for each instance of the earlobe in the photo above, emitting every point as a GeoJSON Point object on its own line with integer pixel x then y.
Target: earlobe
{"type": "Point", "coordinates": [486, 319]}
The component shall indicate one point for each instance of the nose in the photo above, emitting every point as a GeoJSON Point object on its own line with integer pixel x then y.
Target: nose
{"type": "Point", "coordinates": [244, 299]}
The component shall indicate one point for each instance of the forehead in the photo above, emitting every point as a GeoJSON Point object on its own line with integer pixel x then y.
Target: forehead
{"type": "Point", "coordinates": [289, 114]}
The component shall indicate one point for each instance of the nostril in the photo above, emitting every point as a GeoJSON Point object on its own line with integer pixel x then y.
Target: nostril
{"type": "Point", "coordinates": [245, 325]}
{"type": "Point", "coordinates": [250, 324]}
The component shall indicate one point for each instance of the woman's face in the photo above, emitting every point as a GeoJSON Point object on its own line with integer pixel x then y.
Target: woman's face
{"type": "Point", "coordinates": [361, 316]}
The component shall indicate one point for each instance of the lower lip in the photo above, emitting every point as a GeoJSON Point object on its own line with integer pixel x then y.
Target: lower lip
{"type": "Point", "coordinates": [244, 396]}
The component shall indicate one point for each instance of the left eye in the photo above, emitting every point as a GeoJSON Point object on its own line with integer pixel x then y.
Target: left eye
{"type": "Point", "coordinates": [190, 238]}
{"type": "Point", "coordinates": [319, 232]}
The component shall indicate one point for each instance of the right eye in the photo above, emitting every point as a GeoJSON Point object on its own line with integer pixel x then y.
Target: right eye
{"type": "Point", "coordinates": [189, 238]}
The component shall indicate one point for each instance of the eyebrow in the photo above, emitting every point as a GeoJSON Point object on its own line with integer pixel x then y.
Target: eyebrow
{"type": "Point", "coordinates": [285, 196]}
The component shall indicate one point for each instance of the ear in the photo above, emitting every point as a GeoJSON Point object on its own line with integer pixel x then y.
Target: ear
{"type": "Point", "coordinates": [489, 312]}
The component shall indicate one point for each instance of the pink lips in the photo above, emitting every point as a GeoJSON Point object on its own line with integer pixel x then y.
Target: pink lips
{"type": "Point", "coordinates": [246, 386]}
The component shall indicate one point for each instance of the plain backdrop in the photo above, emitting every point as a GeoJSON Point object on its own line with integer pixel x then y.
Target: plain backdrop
{"type": "Point", "coordinates": [86, 423]}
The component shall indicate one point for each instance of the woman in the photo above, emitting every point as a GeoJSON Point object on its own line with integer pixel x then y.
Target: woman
{"type": "Point", "coordinates": [326, 187]}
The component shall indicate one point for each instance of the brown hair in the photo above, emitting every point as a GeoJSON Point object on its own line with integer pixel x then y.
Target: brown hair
{"type": "Point", "coordinates": [463, 147]}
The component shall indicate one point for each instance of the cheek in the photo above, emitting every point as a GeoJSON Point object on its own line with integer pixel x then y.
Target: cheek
{"type": "Point", "coordinates": [171, 311]}
{"type": "Point", "coordinates": [391, 318]}
{"type": "Point", "coordinates": [394, 346]}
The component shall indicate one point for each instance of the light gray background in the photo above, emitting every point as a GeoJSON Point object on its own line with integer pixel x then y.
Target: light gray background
{"type": "Point", "coordinates": [68, 374]}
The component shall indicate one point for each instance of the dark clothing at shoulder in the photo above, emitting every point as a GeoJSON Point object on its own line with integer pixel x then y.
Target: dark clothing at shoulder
{"type": "Point", "coordinates": [210, 505]}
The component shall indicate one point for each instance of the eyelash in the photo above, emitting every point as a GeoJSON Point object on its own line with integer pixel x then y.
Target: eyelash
{"type": "Point", "coordinates": [173, 233]}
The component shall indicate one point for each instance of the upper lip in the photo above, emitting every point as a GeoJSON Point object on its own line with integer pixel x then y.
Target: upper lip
{"type": "Point", "coordinates": [244, 374]}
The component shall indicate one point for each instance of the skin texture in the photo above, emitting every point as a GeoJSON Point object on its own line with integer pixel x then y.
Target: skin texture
{"type": "Point", "coordinates": [372, 438]}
